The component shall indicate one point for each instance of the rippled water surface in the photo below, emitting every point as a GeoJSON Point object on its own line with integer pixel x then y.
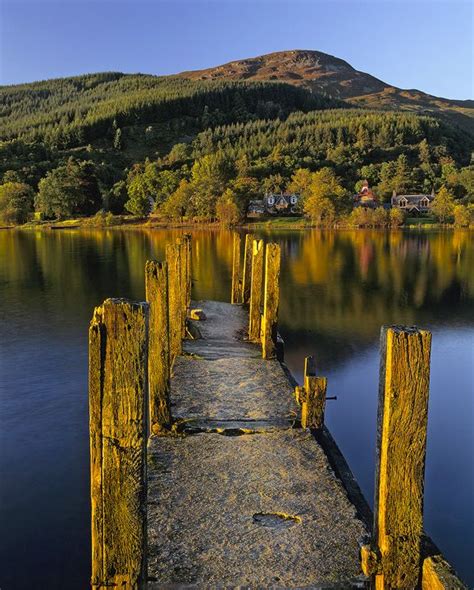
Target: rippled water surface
{"type": "Point", "coordinates": [337, 289]}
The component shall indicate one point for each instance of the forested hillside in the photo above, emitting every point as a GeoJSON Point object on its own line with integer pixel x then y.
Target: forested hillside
{"type": "Point", "coordinates": [203, 148]}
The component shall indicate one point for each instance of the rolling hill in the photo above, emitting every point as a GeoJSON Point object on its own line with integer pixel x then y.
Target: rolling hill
{"type": "Point", "coordinates": [265, 116]}
{"type": "Point", "coordinates": [324, 73]}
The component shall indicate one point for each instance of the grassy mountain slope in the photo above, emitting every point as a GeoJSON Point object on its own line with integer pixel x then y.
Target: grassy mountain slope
{"type": "Point", "coordinates": [324, 73]}
{"type": "Point", "coordinates": [266, 109]}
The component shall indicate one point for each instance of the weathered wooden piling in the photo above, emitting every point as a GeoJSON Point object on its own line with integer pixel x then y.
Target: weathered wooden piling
{"type": "Point", "coordinates": [236, 286]}
{"type": "Point", "coordinates": [256, 282]}
{"type": "Point", "coordinates": [118, 349]}
{"type": "Point", "coordinates": [401, 447]}
{"type": "Point", "coordinates": [156, 288]}
{"type": "Point", "coordinates": [188, 248]}
{"type": "Point", "coordinates": [271, 300]}
{"type": "Point", "coordinates": [183, 244]}
{"type": "Point", "coordinates": [247, 271]}
{"type": "Point", "coordinates": [175, 298]}
{"type": "Point", "coordinates": [313, 397]}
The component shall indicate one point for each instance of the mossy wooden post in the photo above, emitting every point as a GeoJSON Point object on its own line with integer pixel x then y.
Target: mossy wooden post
{"type": "Point", "coordinates": [247, 271]}
{"type": "Point", "coordinates": [187, 238]}
{"type": "Point", "coordinates": [118, 349]}
{"type": "Point", "coordinates": [271, 300]}
{"type": "Point", "coordinates": [156, 288]}
{"type": "Point", "coordinates": [256, 282]}
{"type": "Point", "coordinates": [314, 397]}
{"type": "Point", "coordinates": [173, 259]}
{"type": "Point", "coordinates": [182, 244]}
{"type": "Point", "coordinates": [236, 288]}
{"type": "Point", "coordinates": [401, 447]}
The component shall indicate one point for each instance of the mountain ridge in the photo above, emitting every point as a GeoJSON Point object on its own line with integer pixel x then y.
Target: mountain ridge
{"type": "Point", "coordinates": [331, 75]}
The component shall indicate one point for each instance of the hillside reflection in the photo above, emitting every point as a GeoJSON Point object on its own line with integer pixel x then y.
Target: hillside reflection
{"type": "Point", "coordinates": [337, 283]}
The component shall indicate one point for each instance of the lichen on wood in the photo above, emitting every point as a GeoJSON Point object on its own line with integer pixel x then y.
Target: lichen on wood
{"type": "Point", "coordinates": [247, 270]}
{"type": "Point", "coordinates": [402, 425]}
{"type": "Point", "coordinates": [314, 397]}
{"type": "Point", "coordinates": [175, 299]}
{"type": "Point", "coordinates": [236, 285]}
{"type": "Point", "coordinates": [439, 575]}
{"type": "Point", "coordinates": [156, 288]}
{"type": "Point", "coordinates": [256, 282]}
{"type": "Point", "coordinates": [118, 349]}
{"type": "Point", "coordinates": [271, 301]}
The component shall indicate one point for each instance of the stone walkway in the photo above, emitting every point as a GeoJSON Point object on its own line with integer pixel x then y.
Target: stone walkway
{"type": "Point", "coordinates": [243, 499]}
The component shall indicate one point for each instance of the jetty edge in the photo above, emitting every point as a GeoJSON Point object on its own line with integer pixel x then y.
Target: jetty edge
{"type": "Point", "coordinates": [134, 423]}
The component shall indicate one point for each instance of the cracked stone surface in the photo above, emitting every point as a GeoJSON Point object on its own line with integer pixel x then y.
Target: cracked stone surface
{"type": "Point", "coordinates": [259, 510]}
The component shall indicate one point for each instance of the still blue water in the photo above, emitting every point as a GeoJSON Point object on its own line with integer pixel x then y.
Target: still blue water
{"type": "Point", "coordinates": [337, 290]}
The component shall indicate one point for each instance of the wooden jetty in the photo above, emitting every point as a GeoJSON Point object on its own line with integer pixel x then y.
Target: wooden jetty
{"type": "Point", "coordinates": [212, 468]}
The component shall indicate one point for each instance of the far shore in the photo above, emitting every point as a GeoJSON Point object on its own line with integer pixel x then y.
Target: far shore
{"type": "Point", "coordinates": [270, 223]}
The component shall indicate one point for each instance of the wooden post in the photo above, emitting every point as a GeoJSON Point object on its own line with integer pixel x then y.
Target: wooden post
{"type": "Point", "coordinates": [401, 447]}
{"type": "Point", "coordinates": [188, 242]}
{"type": "Point", "coordinates": [156, 288]}
{"type": "Point", "coordinates": [118, 348]}
{"type": "Point", "coordinates": [314, 397]}
{"type": "Point", "coordinates": [236, 288]}
{"type": "Point", "coordinates": [183, 246]}
{"type": "Point", "coordinates": [270, 301]}
{"type": "Point", "coordinates": [256, 281]}
{"type": "Point", "coordinates": [247, 272]}
{"type": "Point", "coordinates": [175, 301]}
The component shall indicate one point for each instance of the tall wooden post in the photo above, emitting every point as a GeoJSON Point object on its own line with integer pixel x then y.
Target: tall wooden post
{"type": "Point", "coordinates": [314, 397]}
{"type": "Point", "coordinates": [188, 241]}
{"type": "Point", "coordinates": [247, 271]}
{"type": "Point", "coordinates": [183, 245]}
{"type": "Point", "coordinates": [256, 282]}
{"type": "Point", "coordinates": [118, 348]}
{"type": "Point", "coordinates": [173, 259]}
{"type": "Point", "coordinates": [401, 447]}
{"type": "Point", "coordinates": [156, 288]}
{"type": "Point", "coordinates": [271, 300]}
{"type": "Point", "coordinates": [236, 288]}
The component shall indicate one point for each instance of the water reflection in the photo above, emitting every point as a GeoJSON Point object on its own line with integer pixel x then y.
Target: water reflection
{"type": "Point", "coordinates": [337, 289]}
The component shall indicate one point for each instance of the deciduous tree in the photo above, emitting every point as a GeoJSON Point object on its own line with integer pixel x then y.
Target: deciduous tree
{"type": "Point", "coordinates": [16, 202]}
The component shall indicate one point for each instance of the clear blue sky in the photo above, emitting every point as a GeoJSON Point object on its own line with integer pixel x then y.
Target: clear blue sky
{"type": "Point", "coordinates": [424, 44]}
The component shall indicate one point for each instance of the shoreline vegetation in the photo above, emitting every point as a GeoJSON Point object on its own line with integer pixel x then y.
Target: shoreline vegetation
{"type": "Point", "coordinates": [131, 222]}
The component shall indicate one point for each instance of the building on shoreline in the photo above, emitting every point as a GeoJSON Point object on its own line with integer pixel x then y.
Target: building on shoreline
{"type": "Point", "coordinates": [412, 203]}
{"type": "Point", "coordinates": [366, 197]}
{"type": "Point", "coordinates": [275, 204]}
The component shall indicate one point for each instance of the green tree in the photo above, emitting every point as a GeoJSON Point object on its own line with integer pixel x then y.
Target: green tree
{"type": "Point", "coordinates": [397, 217]}
{"type": "Point", "coordinates": [11, 176]}
{"type": "Point", "coordinates": [380, 217]}
{"type": "Point", "coordinates": [402, 178]}
{"type": "Point", "coordinates": [16, 202]}
{"type": "Point", "coordinates": [326, 185]}
{"type": "Point", "coordinates": [209, 176]}
{"type": "Point", "coordinates": [227, 209]}
{"type": "Point", "coordinates": [462, 216]}
{"type": "Point", "coordinates": [443, 205]}
{"type": "Point", "coordinates": [180, 152]}
{"type": "Point", "coordinates": [69, 190]}
{"type": "Point", "coordinates": [301, 182]}
{"type": "Point", "coordinates": [386, 185]}
{"type": "Point", "coordinates": [117, 197]}
{"type": "Point", "coordinates": [179, 203]}
{"type": "Point", "coordinates": [246, 189]}
{"type": "Point", "coordinates": [139, 202]}
{"type": "Point", "coordinates": [360, 217]}
{"type": "Point", "coordinates": [320, 209]}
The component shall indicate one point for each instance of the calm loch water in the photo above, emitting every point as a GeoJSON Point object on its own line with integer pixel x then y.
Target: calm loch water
{"type": "Point", "coordinates": [337, 290]}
